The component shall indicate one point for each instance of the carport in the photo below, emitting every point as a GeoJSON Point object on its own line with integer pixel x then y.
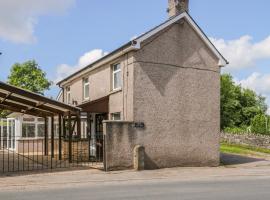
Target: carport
{"type": "Point", "coordinates": [68, 117]}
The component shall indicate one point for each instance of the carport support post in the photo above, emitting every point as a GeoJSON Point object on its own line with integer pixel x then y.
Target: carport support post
{"type": "Point", "coordinates": [89, 134]}
{"type": "Point", "coordinates": [46, 136]}
{"type": "Point", "coordinates": [79, 125]}
{"type": "Point", "coordinates": [64, 128]}
{"type": "Point", "coordinates": [52, 136]}
{"type": "Point", "coordinates": [60, 136]}
{"type": "Point", "coordinates": [69, 138]}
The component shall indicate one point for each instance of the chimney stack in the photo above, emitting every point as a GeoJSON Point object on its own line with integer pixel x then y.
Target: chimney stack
{"type": "Point", "coordinates": [177, 6]}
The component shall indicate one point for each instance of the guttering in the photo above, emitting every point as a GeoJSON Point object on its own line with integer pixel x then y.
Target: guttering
{"type": "Point", "coordinates": [131, 46]}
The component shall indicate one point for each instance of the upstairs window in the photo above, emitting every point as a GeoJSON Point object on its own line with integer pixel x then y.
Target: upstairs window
{"type": "Point", "coordinates": [85, 88]}
{"type": "Point", "coordinates": [68, 98]}
{"type": "Point", "coordinates": [116, 76]}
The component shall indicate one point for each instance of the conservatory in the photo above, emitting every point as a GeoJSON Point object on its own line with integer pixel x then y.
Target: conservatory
{"type": "Point", "coordinates": [19, 130]}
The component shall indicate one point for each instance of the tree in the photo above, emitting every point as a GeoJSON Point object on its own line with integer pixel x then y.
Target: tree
{"type": "Point", "coordinates": [238, 105]}
{"type": "Point", "coordinates": [29, 76]}
{"type": "Point", "coordinates": [230, 105]}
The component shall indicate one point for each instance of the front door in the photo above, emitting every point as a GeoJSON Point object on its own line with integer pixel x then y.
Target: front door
{"type": "Point", "coordinates": [99, 136]}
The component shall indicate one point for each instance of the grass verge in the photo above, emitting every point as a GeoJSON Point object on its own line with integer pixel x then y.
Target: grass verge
{"type": "Point", "coordinates": [243, 149]}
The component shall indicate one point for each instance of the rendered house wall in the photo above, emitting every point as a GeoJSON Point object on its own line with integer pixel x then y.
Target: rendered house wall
{"type": "Point", "coordinates": [100, 83]}
{"type": "Point", "coordinates": [177, 96]}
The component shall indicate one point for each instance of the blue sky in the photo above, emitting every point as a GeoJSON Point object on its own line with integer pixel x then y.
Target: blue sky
{"type": "Point", "coordinates": [64, 35]}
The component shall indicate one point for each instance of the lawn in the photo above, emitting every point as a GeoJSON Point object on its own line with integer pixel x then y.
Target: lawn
{"type": "Point", "coordinates": [243, 149]}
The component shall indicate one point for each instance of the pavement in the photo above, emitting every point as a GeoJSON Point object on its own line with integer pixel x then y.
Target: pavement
{"type": "Point", "coordinates": [241, 178]}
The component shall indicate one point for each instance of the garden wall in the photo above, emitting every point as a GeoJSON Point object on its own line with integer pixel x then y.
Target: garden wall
{"type": "Point", "coordinates": [255, 140]}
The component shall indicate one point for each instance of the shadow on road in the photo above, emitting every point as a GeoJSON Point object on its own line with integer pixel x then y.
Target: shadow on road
{"type": "Point", "coordinates": [232, 159]}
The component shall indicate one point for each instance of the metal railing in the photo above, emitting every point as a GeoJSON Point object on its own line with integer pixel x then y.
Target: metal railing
{"type": "Point", "coordinates": [28, 154]}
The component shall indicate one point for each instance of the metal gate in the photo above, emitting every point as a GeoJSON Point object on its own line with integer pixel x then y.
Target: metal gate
{"type": "Point", "coordinates": [18, 154]}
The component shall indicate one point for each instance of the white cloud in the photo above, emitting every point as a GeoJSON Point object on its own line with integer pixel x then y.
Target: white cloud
{"type": "Point", "coordinates": [65, 70]}
{"type": "Point", "coordinates": [243, 52]}
{"type": "Point", "coordinates": [259, 83]}
{"type": "Point", "coordinates": [19, 17]}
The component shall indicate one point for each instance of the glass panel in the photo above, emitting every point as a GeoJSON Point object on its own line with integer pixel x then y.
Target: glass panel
{"type": "Point", "coordinates": [28, 130]}
{"type": "Point", "coordinates": [116, 67]}
{"type": "Point", "coordinates": [116, 116]}
{"type": "Point", "coordinates": [86, 91]}
{"type": "Point", "coordinates": [28, 119]}
{"type": "Point", "coordinates": [117, 80]}
{"type": "Point", "coordinates": [41, 120]}
{"type": "Point", "coordinates": [41, 130]}
{"type": "Point", "coordinates": [56, 130]}
{"type": "Point", "coordinates": [85, 80]}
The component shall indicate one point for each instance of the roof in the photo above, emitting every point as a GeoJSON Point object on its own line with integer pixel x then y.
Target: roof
{"type": "Point", "coordinates": [136, 44]}
{"type": "Point", "coordinates": [19, 100]}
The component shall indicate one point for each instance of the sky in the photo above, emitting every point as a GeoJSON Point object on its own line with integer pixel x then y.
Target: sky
{"type": "Point", "coordinates": [66, 35]}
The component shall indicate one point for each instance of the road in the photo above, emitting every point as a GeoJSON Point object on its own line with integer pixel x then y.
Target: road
{"type": "Point", "coordinates": [157, 190]}
{"type": "Point", "coordinates": [246, 179]}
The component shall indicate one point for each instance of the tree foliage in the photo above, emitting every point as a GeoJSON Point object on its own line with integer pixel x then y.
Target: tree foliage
{"type": "Point", "coordinates": [239, 105]}
{"type": "Point", "coordinates": [260, 124]}
{"type": "Point", "coordinates": [29, 76]}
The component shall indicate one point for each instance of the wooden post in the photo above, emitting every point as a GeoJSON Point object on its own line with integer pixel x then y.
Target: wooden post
{"type": "Point", "coordinates": [64, 128]}
{"type": "Point", "coordinates": [79, 125]}
{"type": "Point", "coordinates": [52, 136]}
{"type": "Point", "coordinates": [89, 134]}
{"type": "Point", "coordinates": [69, 138]}
{"type": "Point", "coordinates": [46, 136]}
{"type": "Point", "coordinates": [60, 136]}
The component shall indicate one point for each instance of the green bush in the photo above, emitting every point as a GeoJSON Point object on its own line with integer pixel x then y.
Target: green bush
{"type": "Point", "coordinates": [260, 124]}
{"type": "Point", "coordinates": [236, 130]}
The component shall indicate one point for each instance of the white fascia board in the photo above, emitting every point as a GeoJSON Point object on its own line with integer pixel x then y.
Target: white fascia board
{"type": "Point", "coordinates": [139, 40]}
{"type": "Point", "coordinates": [99, 64]}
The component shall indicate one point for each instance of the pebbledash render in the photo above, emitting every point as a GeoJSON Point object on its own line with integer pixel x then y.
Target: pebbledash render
{"type": "Point", "coordinates": [160, 91]}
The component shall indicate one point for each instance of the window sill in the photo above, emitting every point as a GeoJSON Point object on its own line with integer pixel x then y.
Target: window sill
{"type": "Point", "coordinates": [116, 91]}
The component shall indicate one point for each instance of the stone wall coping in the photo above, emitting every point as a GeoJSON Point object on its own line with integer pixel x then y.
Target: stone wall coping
{"type": "Point", "coordinates": [118, 121]}
{"type": "Point", "coordinates": [247, 134]}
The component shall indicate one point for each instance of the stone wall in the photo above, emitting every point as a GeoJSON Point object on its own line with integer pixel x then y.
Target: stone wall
{"type": "Point", "coordinates": [262, 141]}
{"type": "Point", "coordinates": [80, 150]}
{"type": "Point", "coordinates": [120, 138]}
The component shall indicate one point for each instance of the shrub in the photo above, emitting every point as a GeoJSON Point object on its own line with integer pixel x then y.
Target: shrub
{"type": "Point", "coordinates": [260, 124]}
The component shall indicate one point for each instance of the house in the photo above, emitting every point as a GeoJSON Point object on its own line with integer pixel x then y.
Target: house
{"type": "Point", "coordinates": [160, 90]}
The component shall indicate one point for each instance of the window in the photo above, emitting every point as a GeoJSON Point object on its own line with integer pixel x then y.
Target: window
{"type": "Point", "coordinates": [116, 76]}
{"type": "Point", "coordinates": [85, 88]}
{"type": "Point", "coordinates": [116, 116]}
{"type": "Point", "coordinates": [28, 130]}
{"type": "Point", "coordinates": [41, 130]}
{"type": "Point", "coordinates": [68, 95]}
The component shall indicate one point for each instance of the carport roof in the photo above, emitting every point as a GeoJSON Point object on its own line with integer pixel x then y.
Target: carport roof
{"type": "Point", "coordinates": [19, 100]}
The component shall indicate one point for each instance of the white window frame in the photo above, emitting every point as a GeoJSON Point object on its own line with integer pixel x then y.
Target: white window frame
{"type": "Point", "coordinates": [68, 95]}
{"type": "Point", "coordinates": [115, 72]}
{"type": "Point", "coordinates": [113, 116]}
{"type": "Point", "coordinates": [84, 86]}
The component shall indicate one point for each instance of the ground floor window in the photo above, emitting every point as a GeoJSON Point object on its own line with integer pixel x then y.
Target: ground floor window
{"type": "Point", "coordinates": [28, 130]}
{"type": "Point", "coordinates": [116, 116]}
